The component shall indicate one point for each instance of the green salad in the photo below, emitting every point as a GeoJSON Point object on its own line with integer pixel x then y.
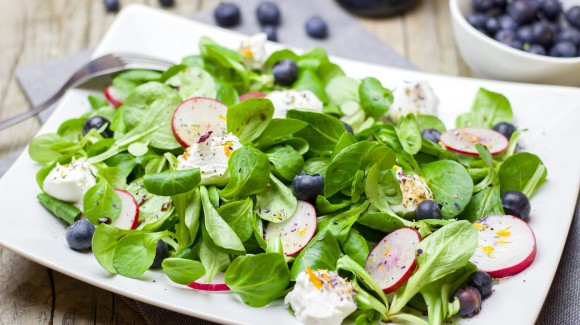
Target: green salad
{"type": "Point", "coordinates": [279, 177]}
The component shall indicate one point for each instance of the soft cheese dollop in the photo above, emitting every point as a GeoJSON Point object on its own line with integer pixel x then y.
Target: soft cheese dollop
{"type": "Point", "coordinates": [414, 190]}
{"type": "Point", "coordinates": [69, 182]}
{"type": "Point", "coordinates": [211, 155]}
{"type": "Point", "coordinates": [415, 97]}
{"type": "Point", "coordinates": [284, 100]}
{"type": "Point", "coordinates": [253, 50]}
{"type": "Point", "coordinates": [321, 297]}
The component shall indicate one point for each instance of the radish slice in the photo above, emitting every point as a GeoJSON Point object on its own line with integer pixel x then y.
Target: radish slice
{"type": "Point", "coordinates": [296, 231]}
{"type": "Point", "coordinates": [506, 245]}
{"type": "Point", "coordinates": [255, 94]}
{"type": "Point", "coordinates": [463, 140]}
{"type": "Point", "coordinates": [129, 216]}
{"type": "Point", "coordinates": [218, 284]}
{"type": "Point", "coordinates": [113, 96]}
{"type": "Point", "coordinates": [392, 261]}
{"type": "Point", "coordinates": [196, 117]}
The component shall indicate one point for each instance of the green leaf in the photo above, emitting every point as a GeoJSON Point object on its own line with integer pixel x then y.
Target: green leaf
{"type": "Point", "coordinates": [213, 261]}
{"type": "Point", "coordinates": [427, 122]}
{"type": "Point", "coordinates": [135, 253]}
{"type": "Point", "coordinates": [286, 162]}
{"type": "Point", "coordinates": [322, 132]}
{"type": "Point", "coordinates": [320, 253]}
{"type": "Point", "coordinates": [382, 188]}
{"type": "Point", "coordinates": [220, 232]}
{"type": "Point", "coordinates": [276, 203]}
{"type": "Point", "coordinates": [247, 176]}
{"type": "Point", "coordinates": [138, 103]}
{"type": "Point", "coordinates": [342, 89]}
{"type": "Point", "coordinates": [343, 168]}
{"type": "Point", "coordinates": [258, 286]}
{"type": "Point", "coordinates": [324, 206]}
{"type": "Point", "coordinates": [374, 99]}
{"type": "Point", "coordinates": [60, 209]}
{"type": "Point", "coordinates": [279, 128]}
{"type": "Point", "coordinates": [240, 216]}
{"type": "Point", "coordinates": [193, 82]}
{"type": "Point", "coordinates": [383, 222]}
{"type": "Point", "coordinates": [308, 80]}
{"type": "Point", "coordinates": [101, 201]}
{"type": "Point", "coordinates": [172, 182]}
{"type": "Point", "coordinates": [490, 108]}
{"type": "Point", "coordinates": [409, 134]}
{"type": "Point", "coordinates": [356, 247]}
{"type": "Point", "coordinates": [451, 185]}
{"type": "Point", "coordinates": [248, 119]}
{"type": "Point", "coordinates": [484, 203]}
{"type": "Point", "coordinates": [104, 242]}
{"type": "Point", "coordinates": [226, 93]}
{"type": "Point", "coordinates": [182, 271]}
{"type": "Point", "coordinates": [41, 150]}
{"type": "Point", "coordinates": [516, 171]}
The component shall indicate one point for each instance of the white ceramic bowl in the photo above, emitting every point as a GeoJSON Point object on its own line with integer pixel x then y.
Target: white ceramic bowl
{"type": "Point", "coordinates": [494, 60]}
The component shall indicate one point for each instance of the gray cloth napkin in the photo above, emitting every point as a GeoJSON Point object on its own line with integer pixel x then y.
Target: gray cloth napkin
{"type": "Point", "coordinates": [347, 39]}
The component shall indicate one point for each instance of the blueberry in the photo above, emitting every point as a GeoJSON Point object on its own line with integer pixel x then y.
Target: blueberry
{"type": "Point", "coordinates": [525, 33]}
{"type": "Point", "coordinates": [573, 16]}
{"type": "Point", "coordinates": [469, 301]}
{"type": "Point", "coordinates": [227, 14]}
{"type": "Point", "coordinates": [80, 234]}
{"type": "Point", "coordinates": [492, 25]}
{"type": "Point", "coordinates": [499, 3]}
{"type": "Point", "coordinates": [569, 35]}
{"type": "Point", "coordinates": [522, 11]}
{"type": "Point", "coordinates": [542, 34]}
{"type": "Point", "coordinates": [477, 20]}
{"type": "Point", "coordinates": [536, 49]}
{"type": "Point", "coordinates": [285, 72]}
{"type": "Point", "coordinates": [307, 187]}
{"type": "Point", "coordinates": [161, 253]}
{"type": "Point", "coordinates": [316, 27]}
{"type": "Point", "coordinates": [516, 203]}
{"type": "Point", "coordinates": [505, 128]}
{"type": "Point", "coordinates": [507, 22]}
{"type": "Point", "coordinates": [96, 122]}
{"type": "Point", "coordinates": [482, 282]}
{"type": "Point", "coordinates": [509, 38]}
{"type": "Point", "coordinates": [428, 209]}
{"type": "Point", "coordinates": [551, 8]}
{"type": "Point", "coordinates": [431, 135]}
{"type": "Point", "coordinates": [563, 50]}
{"type": "Point", "coordinates": [482, 5]}
{"type": "Point", "coordinates": [111, 5]}
{"type": "Point", "coordinates": [166, 3]}
{"type": "Point", "coordinates": [348, 128]}
{"type": "Point", "coordinates": [271, 32]}
{"type": "Point", "coordinates": [268, 13]}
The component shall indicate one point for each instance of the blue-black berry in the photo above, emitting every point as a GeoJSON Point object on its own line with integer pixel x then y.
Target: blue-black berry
{"type": "Point", "coordinates": [111, 5]}
{"type": "Point", "coordinates": [227, 14]}
{"type": "Point", "coordinates": [161, 253]}
{"type": "Point", "coordinates": [96, 122]}
{"type": "Point", "coordinates": [271, 32]}
{"type": "Point", "coordinates": [79, 235]}
{"type": "Point", "coordinates": [316, 27]}
{"type": "Point", "coordinates": [268, 13]}
{"type": "Point", "coordinates": [306, 187]}
{"type": "Point", "coordinates": [285, 72]}
{"type": "Point", "coordinates": [516, 204]}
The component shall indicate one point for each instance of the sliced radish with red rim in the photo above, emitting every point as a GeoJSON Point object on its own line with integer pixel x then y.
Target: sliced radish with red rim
{"type": "Point", "coordinates": [392, 261]}
{"type": "Point", "coordinates": [217, 284]}
{"type": "Point", "coordinates": [255, 94]}
{"type": "Point", "coordinates": [113, 96]}
{"type": "Point", "coordinates": [129, 216]}
{"type": "Point", "coordinates": [196, 117]}
{"type": "Point", "coordinates": [506, 245]}
{"type": "Point", "coordinates": [463, 140]}
{"type": "Point", "coordinates": [296, 231]}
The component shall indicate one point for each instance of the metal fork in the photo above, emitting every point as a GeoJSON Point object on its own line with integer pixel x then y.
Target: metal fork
{"type": "Point", "coordinates": [100, 66]}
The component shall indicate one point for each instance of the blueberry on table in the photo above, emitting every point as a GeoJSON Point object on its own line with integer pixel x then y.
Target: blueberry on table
{"type": "Point", "coordinates": [306, 187]}
{"type": "Point", "coordinates": [227, 14]}
{"type": "Point", "coordinates": [542, 34]}
{"type": "Point", "coordinates": [166, 3]}
{"type": "Point", "coordinates": [482, 282]}
{"type": "Point", "coordinates": [161, 253]}
{"type": "Point", "coordinates": [285, 72]}
{"type": "Point", "coordinates": [271, 33]}
{"type": "Point", "coordinates": [111, 5]}
{"type": "Point", "coordinates": [79, 235]}
{"type": "Point", "coordinates": [563, 50]}
{"type": "Point", "coordinates": [431, 135]}
{"type": "Point", "coordinates": [516, 203]}
{"type": "Point", "coordinates": [483, 5]}
{"type": "Point", "coordinates": [428, 209]}
{"type": "Point", "coordinates": [573, 16]}
{"type": "Point", "coordinates": [522, 11]}
{"type": "Point", "coordinates": [551, 9]}
{"type": "Point", "coordinates": [96, 122]}
{"type": "Point", "coordinates": [316, 27]}
{"type": "Point", "coordinates": [268, 13]}
{"type": "Point", "coordinates": [505, 128]}
{"type": "Point", "coordinates": [469, 301]}
{"type": "Point", "coordinates": [569, 34]}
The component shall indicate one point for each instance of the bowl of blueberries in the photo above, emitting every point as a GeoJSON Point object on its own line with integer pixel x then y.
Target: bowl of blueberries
{"type": "Point", "coordinates": [536, 41]}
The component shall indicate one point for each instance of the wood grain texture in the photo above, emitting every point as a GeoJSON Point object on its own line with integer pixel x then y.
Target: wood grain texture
{"type": "Point", "coordinates": [37, 30]}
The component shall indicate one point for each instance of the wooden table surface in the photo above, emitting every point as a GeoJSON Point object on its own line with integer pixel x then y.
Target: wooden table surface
{"type": "Point", "coordinates": [37, 30]}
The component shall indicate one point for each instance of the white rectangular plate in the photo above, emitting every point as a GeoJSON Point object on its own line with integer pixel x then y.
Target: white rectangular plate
{"type": "Point", "coordinates": [550, 113]}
